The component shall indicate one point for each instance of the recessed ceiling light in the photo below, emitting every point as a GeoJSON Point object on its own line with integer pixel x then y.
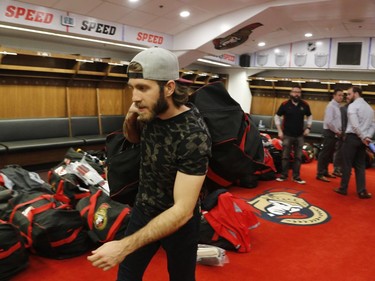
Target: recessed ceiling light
{"type": "Point", "coordinates": [308, 34]}
{"type": "Point", "coordinates": [261, 44]}
{"type": "Point", "coordinates": [132, 1]}
{"type": "Point", "coordinates": [184, 14]}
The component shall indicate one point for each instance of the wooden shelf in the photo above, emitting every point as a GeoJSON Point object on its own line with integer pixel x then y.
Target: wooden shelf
{"type": "Point", "coordinates": [309, 85]}
{"type": "Point", "coordinates": [201, 78]}
{"type": "Point", "coordinates": [30, 64]}
{"type": "Point", "coordinates": [46, 65]}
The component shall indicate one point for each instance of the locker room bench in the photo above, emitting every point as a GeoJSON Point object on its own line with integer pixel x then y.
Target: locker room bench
{"type": "Point", "coordinates": [87, 127]}
{"type": "Point", "coordinates": [316, 130]}
{"type": "Point", "coordinates": [267, 123]}
{"type": "Point", "coordinates": [269, 127]}
{"type": "Point", "coordinates": [35, 141]}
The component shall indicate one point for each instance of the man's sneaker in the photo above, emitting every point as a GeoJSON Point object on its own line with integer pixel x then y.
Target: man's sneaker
{"type": "Point", "coordinates": [299, 180]}
{"type": "Point", "coordinates": [282, 178]}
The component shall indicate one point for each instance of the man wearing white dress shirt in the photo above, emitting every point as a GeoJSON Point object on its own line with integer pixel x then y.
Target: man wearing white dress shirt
{"type": "Point", "coordinates": [331, 133]}
{"type": "Point", "coordinates": [360, 130]}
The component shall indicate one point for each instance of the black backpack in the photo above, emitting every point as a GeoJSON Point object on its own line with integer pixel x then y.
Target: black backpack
{"type": "Point", "coordinates": [237, 148]}
{"type": "Point", "coordinates": [123, 163]}
{"type": "Point", "coordinates": [13, 254]}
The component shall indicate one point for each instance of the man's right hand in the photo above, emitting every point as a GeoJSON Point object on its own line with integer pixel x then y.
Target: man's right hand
{"type": "Point", "coordinates": [131, 126]}
{"type": "Point", "coordinates": [133, 111]}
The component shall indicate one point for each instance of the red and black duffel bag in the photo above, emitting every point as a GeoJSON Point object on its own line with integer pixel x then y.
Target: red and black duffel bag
{"type": "Point", "coordinates": [13, 254]}
{"type": "Point", "coordinates": [51, 228]}
{"type": "Point", "coordinates": [105, 218]}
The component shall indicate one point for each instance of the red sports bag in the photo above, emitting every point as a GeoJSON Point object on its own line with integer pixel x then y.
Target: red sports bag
{"type": "Point", "coordinates": [232, 219]}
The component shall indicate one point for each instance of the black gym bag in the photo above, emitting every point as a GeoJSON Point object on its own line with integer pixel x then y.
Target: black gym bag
{"type": "Point", "coordinates": [13, 254]}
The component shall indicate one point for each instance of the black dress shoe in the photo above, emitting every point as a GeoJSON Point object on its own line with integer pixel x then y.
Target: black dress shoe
{"type": "Point", "coordinates": [340, 191]}
{"type": "Point", "coordinates": [364, 195]}
{"type": "Point", "coordinates": [337, 174]}
{"type": "Point", "coordinates": [322, 178]}
{"type": "Point", "coordinates": [330, 176]}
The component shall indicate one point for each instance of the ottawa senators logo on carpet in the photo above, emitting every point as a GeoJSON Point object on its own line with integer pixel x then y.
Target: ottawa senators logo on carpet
{"type": "Point", "coordinates": [285, 207]}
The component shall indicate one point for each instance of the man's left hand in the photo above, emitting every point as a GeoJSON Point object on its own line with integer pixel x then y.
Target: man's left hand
{"type": "Point", "coordinates": [108, 255]}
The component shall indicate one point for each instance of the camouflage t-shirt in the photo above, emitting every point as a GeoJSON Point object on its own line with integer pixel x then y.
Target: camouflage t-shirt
{"type": "Point", "coordinates": [181, 143]}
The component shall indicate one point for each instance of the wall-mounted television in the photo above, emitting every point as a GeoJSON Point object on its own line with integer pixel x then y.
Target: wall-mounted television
{"type": "Point", "coordinates": [349, 53]}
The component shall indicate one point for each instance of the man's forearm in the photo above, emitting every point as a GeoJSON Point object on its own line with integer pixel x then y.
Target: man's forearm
{"type": "Point", "coordinates": [161, 226]}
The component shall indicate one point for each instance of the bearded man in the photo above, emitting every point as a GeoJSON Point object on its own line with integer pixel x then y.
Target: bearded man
{"type": "Point", "coordinates": [291, 131]}
{"type": "Point", "coordinates": [175, 148]}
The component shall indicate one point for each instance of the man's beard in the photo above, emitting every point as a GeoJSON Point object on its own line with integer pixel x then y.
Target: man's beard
{"type": "Point", "coordinates": [159, 107]}
{"type": "Point", "coordinates": [295, 99]}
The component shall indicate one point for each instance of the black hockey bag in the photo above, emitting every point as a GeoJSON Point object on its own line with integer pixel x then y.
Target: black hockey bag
{"type": "Point", "coordinates": [104, 218]}
{"type": "Point", "coordinates": [237, 149]}
{"type": "Point", "coordinates": [123, 163]}
{"type": "Point", "coordinates": [50, 228]}
{"type": "Point", "coordinates": [13, 254]}
{"type": "Point", "coordinates": [20, 180]}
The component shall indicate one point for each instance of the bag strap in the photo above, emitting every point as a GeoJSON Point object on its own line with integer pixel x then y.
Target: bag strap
{"type": "Point", "coordinates": [68, 239]}
{"type": "Point", "coordinates": [11, 250]}
{"type": "Point", "coordinates": [218, 179]}
{"type": "Point", "coordinates": [59, 195]}
{"type": "Point", "coordinates": [91, 208]}
{"type": "Point", "coordinates": [116, 225]}
{"type": "Point", "coordinates": [246, 131]}
{"type": "Point", "coordinates": [30, 216]}
{"type": "Point", "coordinates": [36, 199]}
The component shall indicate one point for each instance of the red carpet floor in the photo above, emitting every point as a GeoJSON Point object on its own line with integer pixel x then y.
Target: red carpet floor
{"type": "Point", "coordinates": [331, 237]}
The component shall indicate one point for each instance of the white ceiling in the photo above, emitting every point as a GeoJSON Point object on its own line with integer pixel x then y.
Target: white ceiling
{"type": "Point", "coordinates": [284, 21]}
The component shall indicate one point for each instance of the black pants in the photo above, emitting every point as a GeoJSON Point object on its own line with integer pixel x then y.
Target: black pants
{"type": "Point", "coordinates": [337, 157]}
{"type": "Point", "coordinates": [326, 154]}
{"type": "Point", "coordinates": [354, 156]}
{"type": "Point", "coordinates": [181, 248]}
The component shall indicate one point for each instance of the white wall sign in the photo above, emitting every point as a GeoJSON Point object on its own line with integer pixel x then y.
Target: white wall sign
{"type": "Point", "coordinates": [224, 58]}
{"type": "Point", "coordinates": [96, 28]}
{"type": "Point", "coordinates": [147, 38]}
{"type": "Point", "coordinates": [30, 15]}
{"type": "Point", "coordinates": [55, 20]}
